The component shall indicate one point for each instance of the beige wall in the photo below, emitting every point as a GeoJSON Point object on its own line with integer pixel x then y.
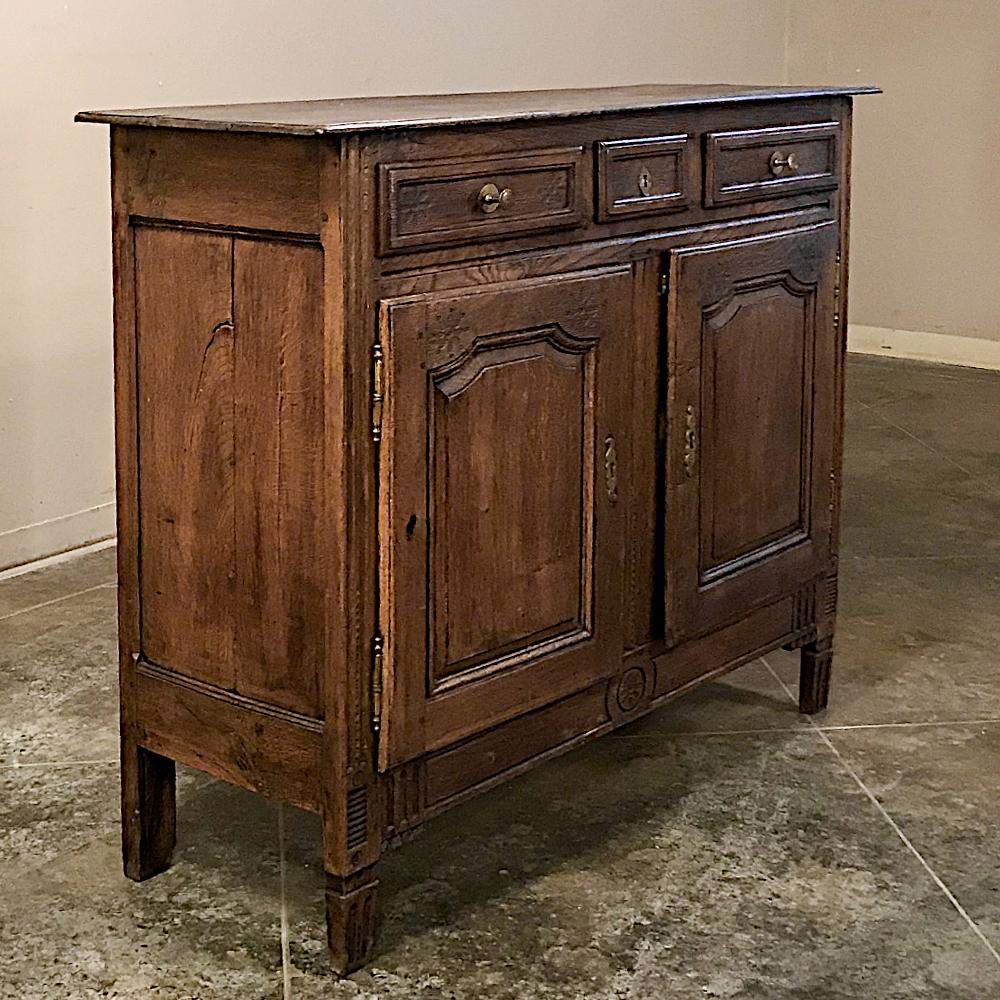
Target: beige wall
{"type": "Point", "coordinates": [926, 212]}
{"type": "Point", "coordinates": [56, 458]}
{"type": "Point", "coordinates": [926, 237]}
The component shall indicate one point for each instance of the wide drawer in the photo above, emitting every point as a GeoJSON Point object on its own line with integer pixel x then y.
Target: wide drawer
{"type": "Point", "coordinates": [763, 163]}
{"type": "Point", "coordinates": [645, 176]}
{"type": "Point", "coordinates": [461, 200]}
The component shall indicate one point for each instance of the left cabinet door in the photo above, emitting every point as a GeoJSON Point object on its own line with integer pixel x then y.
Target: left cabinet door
{"type": "Point", "coordinates": [500, 525]}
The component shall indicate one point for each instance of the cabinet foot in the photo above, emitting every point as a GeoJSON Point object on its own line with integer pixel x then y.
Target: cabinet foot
{"type": "Point", "coordinates": [350, 919]}
{"type": "Point", "coordinates": [149, 811]}
{"type": "Point", "coordinates": [814, 675]}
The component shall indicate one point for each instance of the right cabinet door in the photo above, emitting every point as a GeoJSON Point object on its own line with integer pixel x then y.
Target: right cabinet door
{"type": "Point", "coordinates": [751, 423]}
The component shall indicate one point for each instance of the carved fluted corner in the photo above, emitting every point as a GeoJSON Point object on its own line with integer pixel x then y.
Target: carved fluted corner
{"type": "Point", "coordinates": [351, 919]}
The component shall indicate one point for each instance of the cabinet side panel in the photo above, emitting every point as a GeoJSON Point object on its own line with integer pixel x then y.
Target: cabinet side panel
{"type": "Point", "coordinates": [278, 468]}
{"type": "Point", "coordinates": [186, 450]}
{"type": "Point", "coordinates": [214, 179]}
{"type": "Point", "coordinates": [230, 377]}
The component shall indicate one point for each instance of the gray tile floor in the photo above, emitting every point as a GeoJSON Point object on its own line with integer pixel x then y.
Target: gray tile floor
{"type": "Point", "coordinates": [721, 848]}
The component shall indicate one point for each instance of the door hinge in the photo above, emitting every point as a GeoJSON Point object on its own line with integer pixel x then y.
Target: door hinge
{"type": "Point", "coordinates": [838, 277]}
{"type": "Point", "coordinates": [377, 661]}
{"type": "Point", "coordinates": [378, 391]}
{"type": "Point", "coordinates": [663, 282]}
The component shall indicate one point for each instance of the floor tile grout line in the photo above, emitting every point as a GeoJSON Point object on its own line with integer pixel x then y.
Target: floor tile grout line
{"type": "Point", "coordinates": [56, 600]}
{"type": "Point", "coordinates": [897, 829]}
{"type": "Point", "coordinates": [804, 727]}
{"type": "Point", "coordinates": [911, 847]}
{"type": "Point", "coordinates": [777, 730]}
{"type": "Point", "coordinates": [934, 451]}
{"type": "Point", "coordinates": [286, 959]}
{"type": "Point", "coordinates": [966, 557]}
{"type": "Point", "coordinates": [930, 724]}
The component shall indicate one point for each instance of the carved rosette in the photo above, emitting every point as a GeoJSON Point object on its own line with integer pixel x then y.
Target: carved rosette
{"type": "Point", "coordinates": [629, 692]}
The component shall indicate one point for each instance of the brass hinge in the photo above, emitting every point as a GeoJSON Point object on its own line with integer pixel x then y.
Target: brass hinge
{"type": "Point", "coordinates": [836, 295]}
{"type": "Point", "coordinates": [377, 660]}
{"type": "Point", "coordinates": [378, 391]}
{"type": "Point", "coordinates": [834, 509]}
{"type": "Point", "coordinates": [663, 282]}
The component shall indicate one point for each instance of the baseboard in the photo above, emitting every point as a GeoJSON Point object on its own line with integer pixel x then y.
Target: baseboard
{"type": "Point", "coordinates": [57, 535]}
{"type": "Point", "coordinates": [946, 349]}
{"type": "Point", "coordinates": [72, 531]}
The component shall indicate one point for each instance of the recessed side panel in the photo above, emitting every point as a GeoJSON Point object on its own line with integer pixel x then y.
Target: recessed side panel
{"type": "Point", "coordinates": [230, 401]}
{"type": "Point", "coordinates": [186, 392]}
{"type": "Point", "coordinates": [281, 564]}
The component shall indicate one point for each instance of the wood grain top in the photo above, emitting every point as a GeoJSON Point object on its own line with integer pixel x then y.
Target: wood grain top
{"type": "Point", "coordinates": [377, 114]}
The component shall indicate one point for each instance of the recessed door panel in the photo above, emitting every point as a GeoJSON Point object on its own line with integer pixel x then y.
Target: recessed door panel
{"type": "Point", "coordinates": [750, 398]}
{"type": "Point", "coordinates": [521, 508]}
{"type": "Point", "coordinates": [755, 430]}
{"type": "Point", "coordinates": [500, 530]}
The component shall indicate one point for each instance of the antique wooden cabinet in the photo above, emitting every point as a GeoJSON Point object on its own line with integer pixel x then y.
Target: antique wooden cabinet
{"type": "Point", "coordinates": [455, 431]}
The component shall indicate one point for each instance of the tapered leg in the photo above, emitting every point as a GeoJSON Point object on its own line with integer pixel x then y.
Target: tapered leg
{"type": "Point", "coordinates": [149, 811]}
{"type": "Point", "coordinates": [814, 675]}
{"type": "Point", "coordinates": [351, 919]}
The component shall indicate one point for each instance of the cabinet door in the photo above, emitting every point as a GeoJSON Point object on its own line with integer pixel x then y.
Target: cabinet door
{"type": "Point", "coordinates": [500, 530]}
{"type": "Point", "coordinates": [750, 423]}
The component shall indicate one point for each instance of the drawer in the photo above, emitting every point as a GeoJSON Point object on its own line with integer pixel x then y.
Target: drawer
{"type": "Point", "coordinates": [645, 176]}
{"type": "Point", "coordinates": [436, 203]}
{"type": "Point", "coordinates": [761, 163]}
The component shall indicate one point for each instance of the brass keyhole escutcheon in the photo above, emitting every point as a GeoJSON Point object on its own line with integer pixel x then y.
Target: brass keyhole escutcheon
{"type": "Point", "coordinates": [611, 468]}
{"type": "Point", "coordinates": [690, 441]}
{"type": "Point", "coordinates": [491, 198]}
{"type": "Point", "coordinates": [645, 180]}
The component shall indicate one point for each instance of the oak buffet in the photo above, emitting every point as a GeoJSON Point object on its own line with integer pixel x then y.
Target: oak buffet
{"type": "Point", "coordinates": [455, 431]}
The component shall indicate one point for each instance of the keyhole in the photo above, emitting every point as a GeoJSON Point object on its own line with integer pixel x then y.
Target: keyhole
{"type": "Point", "coordinates": [411, 525]}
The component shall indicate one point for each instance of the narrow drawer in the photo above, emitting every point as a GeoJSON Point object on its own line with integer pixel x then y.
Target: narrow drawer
{"type": "Point", "coordinates": [762, 163]}
{"type": "Point", "coordinates": [645, 176]}
{"type": "Point", "coordinates": [460, 200]}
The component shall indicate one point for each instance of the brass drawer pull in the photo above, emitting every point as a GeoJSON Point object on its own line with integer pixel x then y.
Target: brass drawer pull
{"type": "Point", "coordinates": [491, 198]}
{"type": "Point", "coordinates": [779, 163]}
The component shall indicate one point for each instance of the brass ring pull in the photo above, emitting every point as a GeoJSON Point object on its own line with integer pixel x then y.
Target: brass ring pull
{"type": "Point", "coordinates": [491, 198]}
{"type": "Point", "coordinates": [779, 163]}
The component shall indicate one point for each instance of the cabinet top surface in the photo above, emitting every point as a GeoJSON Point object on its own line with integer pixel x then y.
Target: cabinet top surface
{"type": "Point", "coordinates": [376, 114]}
